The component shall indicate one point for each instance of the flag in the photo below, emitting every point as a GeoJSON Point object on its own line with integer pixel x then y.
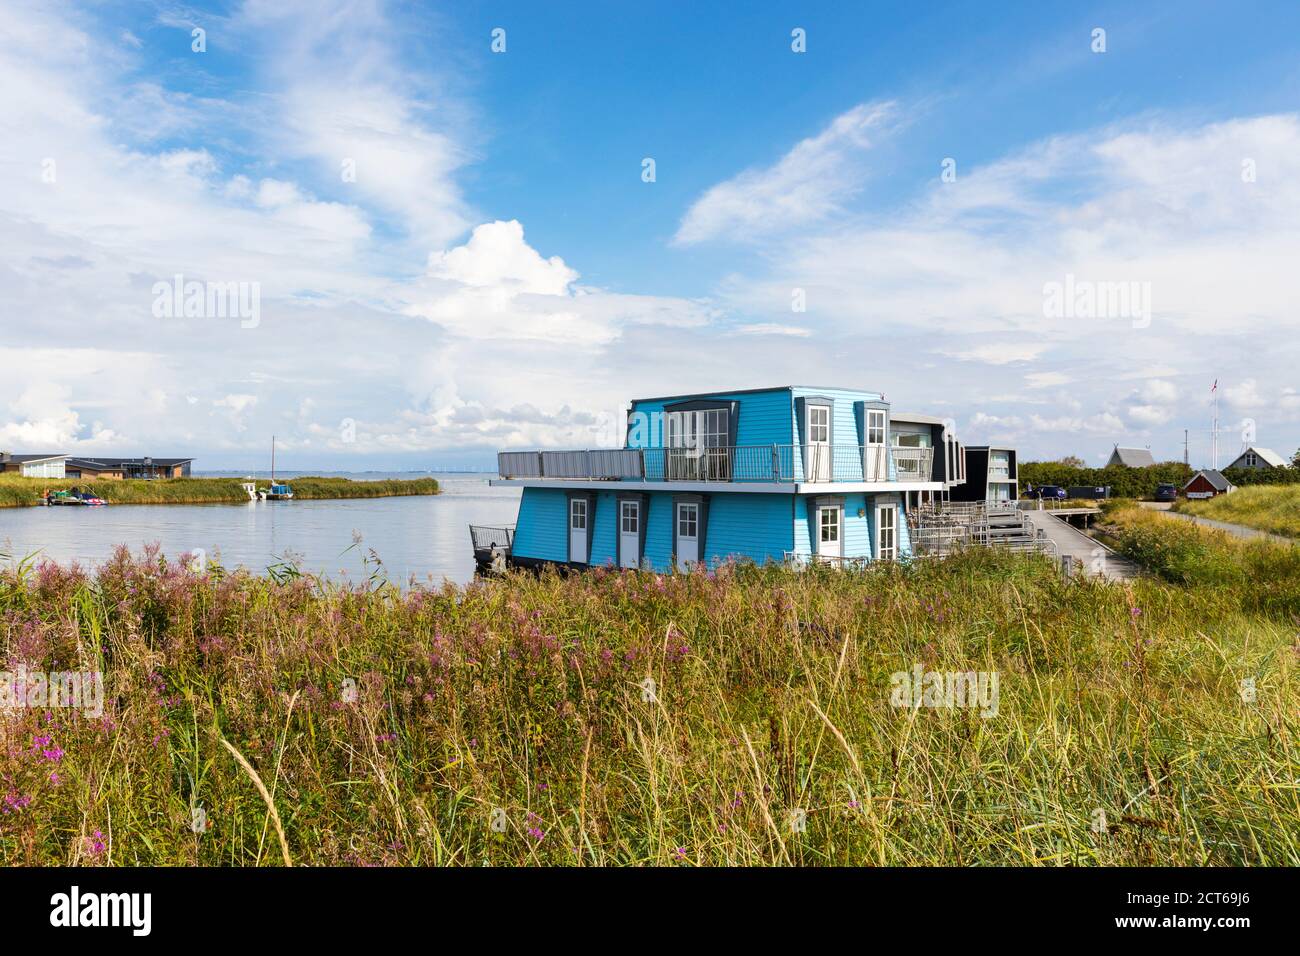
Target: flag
{"type": "Point", "coordinates": [1215, 386]}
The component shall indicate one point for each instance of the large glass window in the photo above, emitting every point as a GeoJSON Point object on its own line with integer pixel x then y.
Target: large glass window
{"type": "Point", "coordinates": [698, 442]}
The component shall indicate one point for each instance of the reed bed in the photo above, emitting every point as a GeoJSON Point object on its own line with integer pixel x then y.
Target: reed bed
{"type": "Point", "coordinates": [739, 716]}
{"type": "Point", "coordinates": [16, 491]}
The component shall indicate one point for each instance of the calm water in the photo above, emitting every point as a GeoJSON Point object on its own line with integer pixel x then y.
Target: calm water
{"type": "Point", "coordinates": [427, 537]}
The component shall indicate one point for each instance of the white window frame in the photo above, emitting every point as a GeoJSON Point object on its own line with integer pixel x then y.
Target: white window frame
{"type": "Point", "coordinates": [629, 510]}
{"type": "Point", "coordinates": [887, 552]}
{"type": "Point", "coordinates": [836, 523]}
{"type": "Point", "coordinates": [877, 424]}
{"type": "Point", "coordinates": [819, 424]}
{"type": "Point", "coordinates": [688, 512]}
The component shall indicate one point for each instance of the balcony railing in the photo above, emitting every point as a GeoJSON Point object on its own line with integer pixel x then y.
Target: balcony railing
{"type": "Point", "coordinates": [736, 463]}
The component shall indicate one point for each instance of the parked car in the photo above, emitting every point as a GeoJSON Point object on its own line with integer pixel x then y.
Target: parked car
{"type": "Point", "coordinates": [1166, 492]}
{"type": "Point", "coordinates": [1050, 491]}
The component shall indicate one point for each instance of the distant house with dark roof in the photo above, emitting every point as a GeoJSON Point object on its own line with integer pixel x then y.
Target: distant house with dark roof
{"type": "Point", "coordinates": [118, 468]}
{"type": "Point", "coordinates": [1207, 483]}
{"type": "Point", "coordinates": [33, 466]}
{"type": "Point", "coordinates": [1131, 457]}
{"type": "Point", "coordinates": [1259, 458]}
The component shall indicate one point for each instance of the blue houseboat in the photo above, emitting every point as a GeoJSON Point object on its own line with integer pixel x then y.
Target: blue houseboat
{"type": "Point", "coordinates": [774, 474]}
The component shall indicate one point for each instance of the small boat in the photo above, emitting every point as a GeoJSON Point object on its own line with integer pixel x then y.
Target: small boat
{"type": "Point", "coordinates": [73, 497]}
{"type": "Point", "coordinates": [277, 491]}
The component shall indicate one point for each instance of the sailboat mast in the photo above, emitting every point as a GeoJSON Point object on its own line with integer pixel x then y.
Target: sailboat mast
{"type": "Point", "coordinates": [273, 459]}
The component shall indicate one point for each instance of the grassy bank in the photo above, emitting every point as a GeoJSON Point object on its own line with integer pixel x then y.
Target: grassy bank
{"type": "Point", "coordinates": [16, 491]}
{"type": "Point", "coordinates": [1273, 508]}
{"type": "Point", "coordinates": [1260, 575]}
{"type": "Point", "coordinates": [736, 717]}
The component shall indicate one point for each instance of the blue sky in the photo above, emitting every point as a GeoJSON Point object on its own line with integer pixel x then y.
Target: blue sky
{"type": "Point", "coordinates": [498, 274]}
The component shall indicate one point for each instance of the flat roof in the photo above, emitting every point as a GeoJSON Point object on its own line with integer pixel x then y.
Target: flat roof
{"type": "Point", "coordinates": [24, 459]}
{"type": "Point", "coordinates": [912, 417]}
{"type": "Point", "coordinates": [755, 391]}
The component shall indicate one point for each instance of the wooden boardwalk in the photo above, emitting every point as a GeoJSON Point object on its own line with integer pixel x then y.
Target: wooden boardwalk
{"type": "Point", "coordinates": [1091, 554]}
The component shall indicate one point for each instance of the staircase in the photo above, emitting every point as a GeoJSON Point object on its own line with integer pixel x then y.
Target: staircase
{"type": "Point", "coordinates": [940, 528]}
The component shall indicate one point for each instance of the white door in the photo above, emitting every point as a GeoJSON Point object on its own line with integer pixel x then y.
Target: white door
{"type": "Point", "coordinates": [629, 533]}
{"type": "Point", "coordinates": [887, 533]}
{"type": "Point", "coordinates": [829, 533]}
{"type": "Point", "coordinates": [688, 533]}
{"type": "Point", "coordinates": [875, 461]}
{"type": "Point", "coordinates": [578, 518]}
{"type": "Point", "coordinates": [818, 430]}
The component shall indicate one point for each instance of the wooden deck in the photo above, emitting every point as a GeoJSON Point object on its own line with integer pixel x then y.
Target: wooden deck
{"type": "Point", "coordinates": [1091, 554]}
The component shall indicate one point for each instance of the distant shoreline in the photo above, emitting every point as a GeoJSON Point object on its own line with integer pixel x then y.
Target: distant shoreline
{"type": "Point", "coordinates": [18, 492]}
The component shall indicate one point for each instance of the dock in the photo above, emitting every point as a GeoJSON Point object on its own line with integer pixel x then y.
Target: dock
{"type": "Point", "coordinates": [1094, 556]}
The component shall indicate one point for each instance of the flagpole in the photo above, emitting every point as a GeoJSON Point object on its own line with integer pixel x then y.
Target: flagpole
{"type": "Point", "coordinates": [1214, 432]}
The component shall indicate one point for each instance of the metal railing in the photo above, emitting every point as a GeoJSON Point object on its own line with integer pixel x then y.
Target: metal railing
{"type": "Point", "coordinates": [941, 528]}
{"type": "Point", "coordinates": [487, 537]}
{"type": "Point", "coordinates": [733, 463]}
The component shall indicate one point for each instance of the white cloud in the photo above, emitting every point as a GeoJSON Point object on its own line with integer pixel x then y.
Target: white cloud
{"type": "Point", "coordinates": [1150, 414]}
{"type": "Point", "coordinates": [1244, 395]}
{"type": "Point", "coordinates": [774, 328]}
{"type": "Point", "coordinates": [496, 286]}
{"type": "Point", "coordinates": [1000, 353]}
{"type": "Point", "coordinates": [1046, 379]}
{"type": "Point", "coordinates": [807, 184]}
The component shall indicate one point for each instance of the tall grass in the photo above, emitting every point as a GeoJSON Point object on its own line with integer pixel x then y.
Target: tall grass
{"type": "Point", "coordinates": [634, 718]}
{"type": "Point", "coordinates": [1273, 508]}
{"type": "Point", "coordinates": [1258, 574]}
{"type": "Point", "coordinates": [16, 491]}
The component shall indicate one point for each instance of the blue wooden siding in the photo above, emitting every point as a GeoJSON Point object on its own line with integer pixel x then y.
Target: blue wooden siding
{"type": "Point", "coordinates": [749, 526]}
{"type": "Point", "coordinates": [604, 540]}
{"type": "Point", "coordinates": [543, 525]}
{"type": "Point", "coordinates": [845, 429]}
{"type": "Point", "coordinates": [764, 417]}
{"type": "Point", "coordinates": [859, 532]}
{"type": "Point", "coordinates": [740, 526]}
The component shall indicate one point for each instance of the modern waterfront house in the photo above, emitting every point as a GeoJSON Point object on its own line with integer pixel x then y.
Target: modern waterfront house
{"type": "Point", "coordinates": [772, 474]}
{"type": "Point", "coordinates": [33, 466]}
{"type": "Point", "coordinates": [990, 475]}
{"type": "Point", "coordinates": [66, 466]}
{"type": "Point", "coordinates": [948, 461]}
{"type": "Point", "coordinates": [119, 468]}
